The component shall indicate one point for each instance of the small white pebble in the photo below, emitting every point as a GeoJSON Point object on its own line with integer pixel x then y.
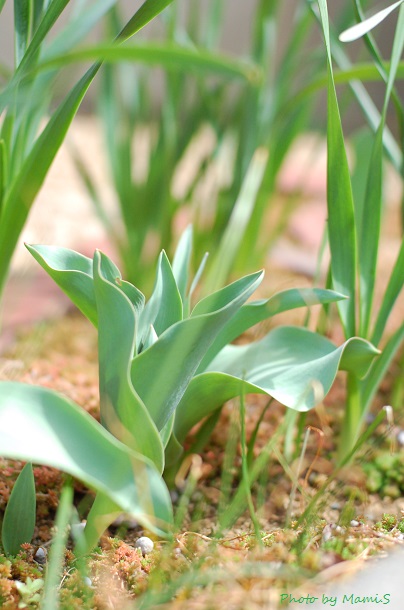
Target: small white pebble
{"type": "Point", "coordinates": [144, 544]}
{"type": "Point", "coordinates": [76, 529]}
{"type": "Point", "coordinates": [327, 533]}
{"type": "Point", "coordinates": [354, 523]}
{"type": "Point", "coordinates": [400, 438]}
{"type": "Point", "coordinates": [88, 581]}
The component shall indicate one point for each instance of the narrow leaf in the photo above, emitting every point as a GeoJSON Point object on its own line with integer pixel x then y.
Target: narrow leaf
{"type": "Point", "coordinates": [22, 27]}
{"type": "Point", "coordinates": [390, 296]}
{"type": "Point", "coordinates": [19, 517]}
{"type": "Point", "coordinates": [182, 261]}
{"type": "Point", "coordinates": [164, 307]}
{"type": "Point", "coordinates": [341, 220]}
{"type": "Point", "coordinates": [362, 28]}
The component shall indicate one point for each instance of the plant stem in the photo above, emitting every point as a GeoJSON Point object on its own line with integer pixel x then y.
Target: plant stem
{"type": "Point", "coordinates": [352, 420]}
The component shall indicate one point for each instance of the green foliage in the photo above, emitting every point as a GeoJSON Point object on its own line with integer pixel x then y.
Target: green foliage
{"type": "Point", "coordinates": [385, 475]}
{"type": "Point", "coordinates": [30, 592]}
{"type": "Point", "coordinates": [244, 118]}
{"type": "Point", "coordinates": [354, 233]}
{"type": "Point", "coordinates": [164, 366]}
{"type": "Point", "coordinates": [46, 428]}
{"type": "Point", "coordinates": [19, 517]}
{"type": "Point", "coordinates": [26, 150]}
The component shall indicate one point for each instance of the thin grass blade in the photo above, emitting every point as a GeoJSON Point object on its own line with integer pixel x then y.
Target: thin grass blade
{"type": "Point", "coordinates": [390, 296]}
{"type": "Point", "coordinates": [23, 10]}
{"type": "Point", "coordinates": [370, 225]}
{"type": "Point", "coordinates": [54, 570]}
{"type": "Point", "coordinates": [341, 219]}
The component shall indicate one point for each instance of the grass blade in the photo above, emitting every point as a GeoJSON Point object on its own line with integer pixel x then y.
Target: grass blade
{"type": "Point", "coordinates": [379, 369]}
{"type": "Point", "coordinates": [341, 220]}
{"type": "Point", "coordinates": [370, 225]}
{"type": "Point", "coordinates": [238, 222]}
{"type": "Point", "coordinates": [50, 599]}
{"type": "Point", "coordinates": [393, 289]}
{"type": "Point", "coordinates": [168, 55]}
{"type": "Point", "coordinates": [22, 27]}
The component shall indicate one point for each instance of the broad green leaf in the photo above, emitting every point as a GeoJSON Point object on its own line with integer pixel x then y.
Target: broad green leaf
{"type": "Point", "coordinates": [362, 28]}
{"type": "Point", "coordinates": [44, 427]}
{"type": "Point", "coordinates": [19, 517]}
{"type": "Point", "coordinates": [341, 220]}
{"type": "Point", "coordinates": [72, 272]}
{"type": "Point", "coordinates": [161, 374]}
{"type": "Point", "coordinates": [182, 261]}
{"type": "Point", "coordinates": [122, 411]}
{"type": "Point", "coordinates": [173, 57]}
{"type": "Point", "coordinates": [258, 311]}
{"type": "Point", "coordinates": [291, 364]}
{"type": "Point", "coordinates": [224, 296]}
{"type": "Point", "coordinates": [22, 27]}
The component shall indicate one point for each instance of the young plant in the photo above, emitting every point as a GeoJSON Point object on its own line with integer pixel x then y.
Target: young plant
{"type": "Point", "coordinates": [163, 366]}
{"type": "Point", "coordinates": [354, 231]}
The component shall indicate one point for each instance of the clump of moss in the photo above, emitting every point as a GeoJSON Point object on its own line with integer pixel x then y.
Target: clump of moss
{"type": "Point", "coordinates": [385, 475]}
{"type": "Point", "coordinates": [389, 522]}
{"type": "Point", "coordinates": [76, 593]}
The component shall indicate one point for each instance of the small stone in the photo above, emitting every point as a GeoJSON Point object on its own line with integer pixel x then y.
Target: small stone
{"type": "Point", "coordinates": [354, 523]}
{"type": "Point", "coordinates": [369, 419]}
{"type": "Point", "coordinates": [336, 506]}
{"type": "Point", "coordinates": [400, 438]}
{"type": "Point", "coordinates": [88, 581]}
{"type": "Point", "coordinates": [40, 555]}
{"type": "Point", "coordinates": [76, 529]}
{"type": "Point", "coordinates": [145, 545]}
{"type": "Point", "coordinates": [327, 533]}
